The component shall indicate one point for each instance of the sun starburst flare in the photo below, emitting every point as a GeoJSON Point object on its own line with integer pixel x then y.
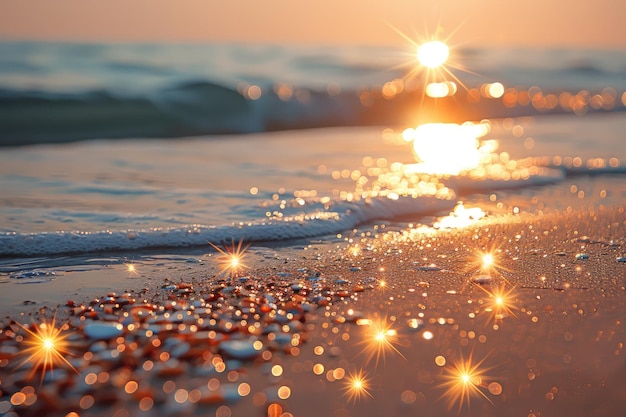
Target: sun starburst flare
{"type": "Point", "coordinates": [486, 266]}
{"type": "Point", "coordinates": [131, 269]}
{"type": "Point", "coordinates": [432, 61]}
{"type": "Point", "coordinates": [230, 259]}
{"type": "Point", "coordinates": [47, 347]}
{"type": "Point", "coordinates": [357, 386]}
{"type": "Point", "coordinates": [463, 381]}
{"type": "Point", "coordinates": [500, 302]}
{"type": "Point", "coordinates": [380, 338]}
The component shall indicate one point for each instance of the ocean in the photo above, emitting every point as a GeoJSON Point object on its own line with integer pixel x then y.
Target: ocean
{"type": "Point", "coordinates": [122, 148]}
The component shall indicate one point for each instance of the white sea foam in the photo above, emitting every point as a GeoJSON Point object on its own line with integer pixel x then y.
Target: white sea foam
{"type": "Point", "coordinates": [293, 227]}
{"type": "Point", "coordinates": [345, 216]}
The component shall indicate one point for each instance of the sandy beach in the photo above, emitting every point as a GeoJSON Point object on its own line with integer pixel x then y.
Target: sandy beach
{"type": "Point", "coordinates": [395, 322]}
{"type": "Point", "coordinates": [329, 209]}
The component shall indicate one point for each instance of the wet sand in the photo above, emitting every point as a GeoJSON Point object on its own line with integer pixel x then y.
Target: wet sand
{"type": "Point", "coordinates": [415, 314]}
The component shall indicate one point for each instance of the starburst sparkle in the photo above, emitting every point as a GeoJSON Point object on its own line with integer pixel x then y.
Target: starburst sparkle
{"type": "Point", "coordinates": [464, 380]}
{"type": "Point", "coordinates": [380, 338]}
{"type": "Point", "coordinates": [357, 385]}
{"type": "Point", "coordinates": [47, 347]}
{"type": "Point", "coordinates": [230, 259]}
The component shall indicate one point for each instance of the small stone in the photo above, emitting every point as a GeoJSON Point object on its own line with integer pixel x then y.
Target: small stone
{"type": "Point", "coordinates": [239, 349]}
{"type": "Point", "coordinates": [581, 256]}
{"type": "Point", "coordinates": [103, 330]}
{"type": "Point", "coordinates": [431, 267]}
{"type": "Point", "coordinates": [481, 279]}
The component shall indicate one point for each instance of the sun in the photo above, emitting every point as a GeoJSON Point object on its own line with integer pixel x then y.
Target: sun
{"type": "Point", "coordinates": [433, 54]}
{"type": "Point", "coordinates": [432, 61]}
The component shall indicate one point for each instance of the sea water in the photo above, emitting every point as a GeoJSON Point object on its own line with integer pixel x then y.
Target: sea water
{"type": "Point", "coordinates": [133, 147]}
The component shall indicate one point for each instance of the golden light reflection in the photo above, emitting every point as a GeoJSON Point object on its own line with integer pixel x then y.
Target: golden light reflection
{"type": "Point", "coordinates": [47, 347]}
{"type": "Point", "coordinates": [230, 258]}
{"type": "Point", "coordinates": [460, 217]}
{"type": "Point", "coordinates": [442, 89]}
{"type": "Point", "coordinates": [449, 148]}
{"type": "Point", "coordinates": [356, 386]}
{"type": "Point", "coordinates": [380, 338]}
{"type": "Point", "coordinates": [464, 380]}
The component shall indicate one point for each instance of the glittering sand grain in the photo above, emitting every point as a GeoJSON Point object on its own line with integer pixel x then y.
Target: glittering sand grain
{"type": "Point", "coordinates": [395, 323]}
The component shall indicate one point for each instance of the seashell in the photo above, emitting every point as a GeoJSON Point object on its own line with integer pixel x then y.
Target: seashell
{"type": "Point", "coordinates": [103, 330]}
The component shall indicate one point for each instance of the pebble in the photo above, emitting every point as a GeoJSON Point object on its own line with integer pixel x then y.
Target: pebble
{"type": "Point", "coordinates": [239, 349]}
{"type": "Point", "coordinates": [481, 279]}
{"type": "Point", "coordinates": [621, 259]}
{"type": "Point", "coordinates": [581, 256]}
{"type": "Point", "coordinates": [103, 330]}
{"type": "Point", "coordinates": [431, 267]}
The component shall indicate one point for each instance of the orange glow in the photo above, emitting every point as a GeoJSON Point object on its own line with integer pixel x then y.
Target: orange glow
{"type": "Point", "coordinates": [433, 54]}
{"type": "Point", "coordinates": [343, 22]}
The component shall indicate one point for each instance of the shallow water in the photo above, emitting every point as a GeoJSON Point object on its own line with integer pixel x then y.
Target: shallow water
{"type": "Point", "coordinates": [266, 186]}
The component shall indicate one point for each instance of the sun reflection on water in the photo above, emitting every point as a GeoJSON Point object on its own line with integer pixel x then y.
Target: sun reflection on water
{"type": "Point", "coordinates": [449, 148]}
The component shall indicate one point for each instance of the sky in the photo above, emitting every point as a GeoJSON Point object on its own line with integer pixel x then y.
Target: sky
{"type": "Point", "coordinates": [530, 23]}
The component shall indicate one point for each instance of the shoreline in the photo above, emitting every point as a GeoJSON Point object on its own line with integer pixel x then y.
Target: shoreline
{"type": "Point", "coordinates": [554, 347]}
